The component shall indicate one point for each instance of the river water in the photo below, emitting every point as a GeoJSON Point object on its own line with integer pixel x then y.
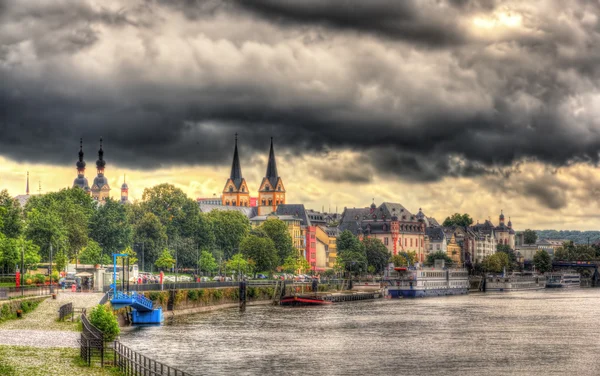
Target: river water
{"type": "Point", "coordinates": [547, 332]}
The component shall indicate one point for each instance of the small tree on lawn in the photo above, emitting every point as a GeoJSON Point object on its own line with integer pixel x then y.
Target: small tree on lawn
{"type": "Point", "coordinates": [103, 319]}
{"type": "Point", "coordinates": [165, 260]}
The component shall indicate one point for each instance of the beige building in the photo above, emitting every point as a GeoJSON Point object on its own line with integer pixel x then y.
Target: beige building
{"type": "Point", "coordinates": [393, 224]}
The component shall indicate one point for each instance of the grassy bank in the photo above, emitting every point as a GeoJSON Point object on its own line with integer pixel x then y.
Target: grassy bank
{"type": "Point", "coordinates": [30, 361]}
{"type": "Point", "coordinates": [8, 309]}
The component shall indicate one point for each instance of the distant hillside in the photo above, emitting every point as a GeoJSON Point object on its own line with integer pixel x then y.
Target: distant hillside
{"type": "Point", "coordinates": [580, 237]}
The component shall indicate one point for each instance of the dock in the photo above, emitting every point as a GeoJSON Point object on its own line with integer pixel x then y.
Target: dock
{"type": "Point", "coordinates": [328, 298]}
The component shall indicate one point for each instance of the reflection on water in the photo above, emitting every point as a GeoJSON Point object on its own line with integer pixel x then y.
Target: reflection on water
{"type": "Point", "coordinates": [547, 332]}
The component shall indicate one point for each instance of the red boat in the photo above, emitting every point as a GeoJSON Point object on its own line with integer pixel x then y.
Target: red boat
{"type": "Point", "coordinates": [295, 301]}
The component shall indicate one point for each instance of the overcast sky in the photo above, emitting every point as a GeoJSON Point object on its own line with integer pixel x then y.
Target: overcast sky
{"type": "Point", "coordinates": [448, 105]}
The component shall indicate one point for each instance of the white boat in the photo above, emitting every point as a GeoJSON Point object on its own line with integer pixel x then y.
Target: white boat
{"type": "Point", "coordinates": [404, 282]}
{"type": "Point", "coordinates": [566, 279]}
{"type": "Point", "coordinates": [514, 282]}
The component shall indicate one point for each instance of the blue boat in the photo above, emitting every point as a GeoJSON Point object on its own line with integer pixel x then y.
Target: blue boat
{"type": "Point", "coordinates": [419, 282]}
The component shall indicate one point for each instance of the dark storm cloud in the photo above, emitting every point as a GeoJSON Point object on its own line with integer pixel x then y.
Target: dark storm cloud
{"type": "Point", "coordinates": [412, 20]}
{"type": "Point", "coordinates": [169, 83]}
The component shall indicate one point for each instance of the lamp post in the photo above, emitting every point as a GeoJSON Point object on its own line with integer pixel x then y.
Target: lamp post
{"type": "Point", "coordinates": [51, 289]}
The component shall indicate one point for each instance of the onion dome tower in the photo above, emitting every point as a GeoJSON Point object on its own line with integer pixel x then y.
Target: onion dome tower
{"type": "Point", "coordinates": [100, 188]}
{"type": "Point", "coordinates": [80, 181]}
{"type": "Point", "coordinates": [271, 192]}
{"type": "Point", "coordinates": [235, 192]}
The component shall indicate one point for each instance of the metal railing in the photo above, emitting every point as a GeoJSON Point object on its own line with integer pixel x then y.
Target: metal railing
{"type": "Point", "coordinates": [14, 292]}
{"type": "Point", "coordinates": [133, 363]}
{"type": "Point", "coordinates": [216, 284]}
{"type": "Point", "coordinates": [91, 342]}
{"type": "Point", "coordinates": [65, 310]}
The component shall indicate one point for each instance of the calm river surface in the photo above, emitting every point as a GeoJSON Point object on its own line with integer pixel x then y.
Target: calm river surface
{"type": "Point", "coordinates": [549, 332]}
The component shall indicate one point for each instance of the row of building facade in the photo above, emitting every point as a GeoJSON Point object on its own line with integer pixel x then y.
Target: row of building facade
{"type": "Point", "coordinates": [314, 233]}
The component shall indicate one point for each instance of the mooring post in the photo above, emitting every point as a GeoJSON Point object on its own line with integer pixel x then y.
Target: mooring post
{"type": "Point", "coordinates": [243, 284]}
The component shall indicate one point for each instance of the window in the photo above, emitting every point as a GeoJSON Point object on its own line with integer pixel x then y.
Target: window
{"type": "Point", "coordinates": [312, 236]}
{"type": "Point", "coordinates": [405, 242]}
{"type": "Point", "coordinates": [437, 247]}
{"type": "Point", "coordinates": [386, 241]}
{"type": "Point", "coordinates": [230, 189]}
{"type": "Point", "coordinates": [270, 202]}
{"type": "Point", "coordinates": [313, 245]}
{"type": "Point", "coordinates": [411, 243]}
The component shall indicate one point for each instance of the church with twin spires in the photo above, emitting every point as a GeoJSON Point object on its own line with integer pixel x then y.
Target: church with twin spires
{"type": "Point", "coordinates": [271, 192]}
{"type": "Point", "coordinates": [100, 189]}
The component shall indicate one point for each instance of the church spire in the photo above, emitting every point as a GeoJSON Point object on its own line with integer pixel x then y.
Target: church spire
{"type": "Point", "coordinates": [236, 169]}
{"type": "Point", "coordinates": [100, 163]}
{"type": "Point", "coordinates": [80, 163]}
{"type": "Point", "coordinates": [27, 186]}
{"type": "Point", "coordinates": [272, 166]}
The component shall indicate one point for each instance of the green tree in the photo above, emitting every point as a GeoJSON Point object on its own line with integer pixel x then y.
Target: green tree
{"type": "Point", "coordinates": [352, 256]}
{"type": "Point", "coordinates": [404, 258]}
{"type": "Point", "coordinates": [496, 263]}
{"type": "Point", "coordinates": [60, 260]}
{"type": "Point", "coordinates": [295, 264]}
{"type": "Point", "coordinates": [262, 251]}
{"type": "Point", "coordinates": [377, 254]}
{"type": "Point", "coordinates": [165, 260]}
{"type": "Point", "coordinates": [439, 255]}
{"type": "Point", "coordinates": [150, 232]}
{"type": "Point", "coordinates": [109, 227]}
{"type": "Point", "coordinates": [277, 231]}
{"type": "Point", "coordinates": [542, 261]}
{"type": "Point", "coordinates": [457, 219]}
{"type": "Point", "coordinates": [92, 255]}
{"type": "Point", "coordinates": [230, 228]}
{"type": "Point", "coordinates": [207, 262]}
{"type": "Point", "coordinates": [105, 320]}
{"type": "Point", "coordinates": [132, 256]}
{"type": "Point", "coordinates": [45, 227]}
{"type": "Point", "coordinates": [529, 236]}
{"type": "Point", "coordinates": [237, 264]}
{"type": "Point", "coordinates": [11, 216]}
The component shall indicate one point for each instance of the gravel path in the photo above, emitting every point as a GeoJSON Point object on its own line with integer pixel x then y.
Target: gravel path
{"type": "Point", "coordinates": [40, 328]}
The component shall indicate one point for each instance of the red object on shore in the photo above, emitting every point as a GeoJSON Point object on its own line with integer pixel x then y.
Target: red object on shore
{"type": "Point", "coordinates": [302, 300]}
{"type": "Point", "coordinates": [161, 277]}
{"type": "Point", "coordinates": [18, 279]}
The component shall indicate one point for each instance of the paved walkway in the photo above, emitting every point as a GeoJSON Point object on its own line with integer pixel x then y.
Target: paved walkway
{"type": "Point", "coordinates": [40, 328]}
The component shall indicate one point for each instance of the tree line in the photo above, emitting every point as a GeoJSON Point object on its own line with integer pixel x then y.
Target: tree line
{"type": "Point", "coordinates": [163, 228]}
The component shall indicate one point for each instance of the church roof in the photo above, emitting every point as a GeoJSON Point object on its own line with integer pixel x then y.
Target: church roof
{"type": "Point", "coordinates": [236, 168]}
{"type": "Point", "coordinates": [435, 234]}
{"type": "Point", "coordinates": [80, 163]}
{"type": "Point", "coordinates": [22, 199]}
{"type": "Point", "coordinates": [100, 181]}
{"type": "Point", "coordinates": [248, 211]}
{"type": "Point", "coordinates": [272, 167]}
{"type": "Point", "coordinates": [297, 210]}
{"type": "Point", "coordinates": [100, 163]}
{"type": "Point", "coordinates": [81, 182]}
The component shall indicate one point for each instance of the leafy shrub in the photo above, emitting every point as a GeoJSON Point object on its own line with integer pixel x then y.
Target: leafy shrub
{"type": "Point", "coordinates": [192, 295]}
{"type": "Point", "coordinates": [217, 294]}
{"type": "Point", "coordinates": [179, 296]}
{"type": "Point", "coordinates": [252, 292]}
{"type": "Point", "coordinates": [40, 278]}
{"type": "Point", "coordinates": [103, 319]}
{"type": "Point", "coordinates": [29, 281]}
{"type": "Point", "coordinates": [154, 296]}
{"type": "Point", "coordinates": [5, 312]}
